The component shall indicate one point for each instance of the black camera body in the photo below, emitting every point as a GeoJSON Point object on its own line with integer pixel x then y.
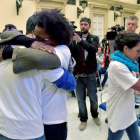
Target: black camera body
{"type": "Point", "coordinates": [74, 28]}
{"type": "Point", "coordinates": [115, 30]}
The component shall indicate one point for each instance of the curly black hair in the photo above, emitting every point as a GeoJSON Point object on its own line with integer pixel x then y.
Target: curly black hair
{"type": "Point", "coordinates": [128, 39]}
{"type": "Point", "coordinates": [56, 25]}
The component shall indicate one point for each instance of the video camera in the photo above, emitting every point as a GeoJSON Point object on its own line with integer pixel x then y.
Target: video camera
{"type": "Point", "coordinates": [74, 28]}
{"type": "Point", "coordinates": [115, 30]}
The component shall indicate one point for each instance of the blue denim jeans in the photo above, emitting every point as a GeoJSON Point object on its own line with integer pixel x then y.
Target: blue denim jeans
{"type": "Point", "coordinates": [103, 71]}
{"type": "Point", "coordinates": [5, 138]}
{"type": "Point", "coordinates": [56, 131]}
{"type": "Point", "coordinates": [132, 132]}
{"type": "Point", "coordinates": [89, 84]}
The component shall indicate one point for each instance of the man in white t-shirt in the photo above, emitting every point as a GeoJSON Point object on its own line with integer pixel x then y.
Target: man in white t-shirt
{"type": "Point", "coordinates": [54, 99]}
{"type": "Point", "coordinates": [21, 101]}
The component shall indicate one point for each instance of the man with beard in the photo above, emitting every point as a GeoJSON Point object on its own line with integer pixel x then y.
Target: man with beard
{"type": "Point", "coordinates": [83, 49]}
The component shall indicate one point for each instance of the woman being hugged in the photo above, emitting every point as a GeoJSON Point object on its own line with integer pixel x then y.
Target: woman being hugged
{"type": "Point", "coordinates": [122, 83]}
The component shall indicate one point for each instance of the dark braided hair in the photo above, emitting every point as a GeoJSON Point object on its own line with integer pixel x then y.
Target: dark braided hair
{"type": "Point", "coordinates": [128, 39]}
{"type": "Point", "coordinates": [56, 25]}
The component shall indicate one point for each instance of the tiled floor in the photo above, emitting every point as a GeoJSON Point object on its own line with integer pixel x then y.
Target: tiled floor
{"type": "Point", "coordinates": [92, 131]}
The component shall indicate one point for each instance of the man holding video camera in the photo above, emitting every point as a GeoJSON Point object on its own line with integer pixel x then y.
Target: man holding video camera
{"type": "Point", "coordinates": [83, 49]}
{"type": "Point", "coordinates": [131, 26]}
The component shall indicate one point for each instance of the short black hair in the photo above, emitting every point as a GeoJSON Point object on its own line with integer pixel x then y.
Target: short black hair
{"type": "Point", "coordinates": [128, 39]}
{"type": "Point", "coordinates": [56, 25]}
{"type": "Point", "coordinates": [31, 23]}
{"type": "Point", "coordinates": [87, 19]}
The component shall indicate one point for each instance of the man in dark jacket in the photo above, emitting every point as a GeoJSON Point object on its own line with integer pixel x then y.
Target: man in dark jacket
{"type": "Point", "coordinates": [83, 49]}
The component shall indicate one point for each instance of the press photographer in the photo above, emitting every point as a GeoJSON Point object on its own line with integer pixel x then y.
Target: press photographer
{"type": "Point", "coordinates": [131, 26]}
{"type": "Point", "coordinates": [83, 49]}
{"type": "Point", "coordinates": [115, 30]}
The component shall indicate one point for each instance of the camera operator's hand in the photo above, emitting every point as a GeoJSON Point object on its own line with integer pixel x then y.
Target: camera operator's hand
{"type": "Point", "coordinates": [77, 38]}
{"type": "Point", "coordinates": [43, 47]}
{"type": "Point", "coordinates": [102, 66]}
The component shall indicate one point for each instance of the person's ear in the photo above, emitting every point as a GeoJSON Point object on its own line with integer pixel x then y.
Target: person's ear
{"type": "Point", "coordinates": [125, 48]}
{"type": "Point", "coordinates": [55, 43]}
{"type": "Point", "coordinates": [89, 25]}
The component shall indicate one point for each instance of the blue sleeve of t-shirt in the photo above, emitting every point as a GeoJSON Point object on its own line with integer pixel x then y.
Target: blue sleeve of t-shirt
{"type": "Point", "coordinates": [66, 81]}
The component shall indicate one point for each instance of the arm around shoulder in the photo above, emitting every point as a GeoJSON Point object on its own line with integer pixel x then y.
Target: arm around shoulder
{"type": "Point", "coordinates": [25, 59]}
{"type": "Point", "coordinates": [15, 38]}
{"type": "Point", "coordinates": [66, 81]}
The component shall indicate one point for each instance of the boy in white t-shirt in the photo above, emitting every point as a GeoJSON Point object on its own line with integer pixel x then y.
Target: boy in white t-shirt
{"type": "Point", "coordinates": [122, 82]}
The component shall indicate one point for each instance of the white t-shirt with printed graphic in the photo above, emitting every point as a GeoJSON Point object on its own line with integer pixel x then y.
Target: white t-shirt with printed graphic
{"type": "Point", "coordinates": [121, 99]}
{"type": "Point", "coordinates": [54, 99]}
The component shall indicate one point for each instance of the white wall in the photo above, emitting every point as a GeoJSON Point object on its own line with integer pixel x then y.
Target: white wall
{"type": "Point", "coordinates": [9, 13]}
{"type": "Point", "coordinates": [129, 1]}
{"type": "Point", "coordinates": [138, 15]}
{"type": "Point", "coordinates": [71, 13]}
{"type": "Point", "coordinates": [111, 21]}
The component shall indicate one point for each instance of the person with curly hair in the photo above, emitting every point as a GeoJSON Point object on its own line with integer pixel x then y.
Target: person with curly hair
{"type": "Point", "coordinates": [53, 29]}
{"type": "Point", "coordinates": [122, 84]}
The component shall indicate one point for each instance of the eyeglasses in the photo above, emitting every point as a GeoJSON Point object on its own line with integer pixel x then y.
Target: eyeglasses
{"type": "Point", "coordinates": [40, 39]}
{"type": "Point", "coordinates": [85, 18]}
